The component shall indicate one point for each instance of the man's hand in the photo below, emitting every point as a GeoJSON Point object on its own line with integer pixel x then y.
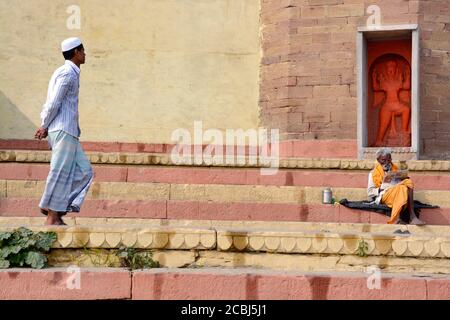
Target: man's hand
{"type": "Point", "coordinates": [41, 133]}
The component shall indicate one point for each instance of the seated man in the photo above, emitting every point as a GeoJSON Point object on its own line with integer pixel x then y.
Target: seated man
{"type": "Point", "coordinates": [392, 189]}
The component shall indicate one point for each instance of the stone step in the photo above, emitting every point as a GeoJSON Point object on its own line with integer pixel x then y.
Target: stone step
{"type": "Point", "coordinates": [215, 201]}
{"type": "Point", "coordinates": [231, 224]}
{"type": "Point", "coordinates": [55, 284]}
{"type": "Point", "coordinates": [292, 148]}
{"type": "Point", "coordinates": [147, 190]}
{"type": "Point", "coordinates": [243, 259]}
{"type": "Point", "coordinates": [210, 192]}
{"type": "Point", "coordinates": [424, 180]}
{"type": "Point", "coordinates": [260, 284]}
{"type": "Point", "coordinates": [247, 211]}
{"type": "Point", "coordinates": [216, 284]}
{"type": "Point", "coordinates": [273, 245]}
{"type": "Point", "coordinates": [37, 156]}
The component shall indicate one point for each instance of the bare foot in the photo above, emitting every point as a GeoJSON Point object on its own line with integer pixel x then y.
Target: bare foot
{"type": "Point", "coordinates": [54, 219]}
{"type": "Point", "coordinates": [417, 222]}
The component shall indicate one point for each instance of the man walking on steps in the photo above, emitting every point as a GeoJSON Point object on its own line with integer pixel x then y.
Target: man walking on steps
{"type": "Point", "coordinates": [70, 173]}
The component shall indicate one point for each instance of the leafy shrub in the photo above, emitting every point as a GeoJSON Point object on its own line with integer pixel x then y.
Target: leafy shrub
{"type": "Point", "coordinates": [25, 248]}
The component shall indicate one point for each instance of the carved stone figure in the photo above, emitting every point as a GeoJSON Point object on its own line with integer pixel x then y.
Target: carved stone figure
{"type": "Point", "coordinates": [392, 78]}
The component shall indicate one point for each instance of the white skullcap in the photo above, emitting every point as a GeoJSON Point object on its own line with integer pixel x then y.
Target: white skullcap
{"type": "Point", "coordinates": [70, 43]}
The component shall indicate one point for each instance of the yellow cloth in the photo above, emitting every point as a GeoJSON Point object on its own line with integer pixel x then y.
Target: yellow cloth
{"type": "Point", "coordinates": [378, 174]}
{"type": "Point", "coordinates": [396, 198]}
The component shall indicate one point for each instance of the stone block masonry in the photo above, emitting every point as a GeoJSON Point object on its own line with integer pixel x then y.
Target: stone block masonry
{"type": "Point", "coordinates": [206, 284]}
{"type": "Point", "coordinates": [309, 67]}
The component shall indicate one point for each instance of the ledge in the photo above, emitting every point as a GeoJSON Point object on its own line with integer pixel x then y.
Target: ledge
{"type": "Point", "coordinates": [394, 27]}
{"type": "Point", "coordinates": [304, 240]}
{"type": "Point", "coordinates": [334, 243]}
{"type": "Point", "coordinates": [144, 238]}
{"type": "Point", "coordinates": [158, 159]}
{"type": "Point", "coordinates": [208, 225]}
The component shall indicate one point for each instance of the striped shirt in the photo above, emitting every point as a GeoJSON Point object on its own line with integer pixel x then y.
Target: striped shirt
{"type": "Point", "coordinates": [60, 111]}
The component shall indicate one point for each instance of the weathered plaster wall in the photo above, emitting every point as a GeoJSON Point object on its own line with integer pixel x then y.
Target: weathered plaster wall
{"type": "Point", "coordinates": [152, 65]}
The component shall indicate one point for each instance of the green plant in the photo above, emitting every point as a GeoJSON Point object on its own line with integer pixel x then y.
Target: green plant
{"type": "Point", "coordinates": [23, 247]}
{"type": "Point", "coordinates": [133, 258]}
{"type": "Point", "coordinates": [335, 201]}
{"type": "Point", "coordinates": [363, 247]}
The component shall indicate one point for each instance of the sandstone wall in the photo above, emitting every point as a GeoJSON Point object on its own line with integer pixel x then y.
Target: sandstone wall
{"type": "Point", "coordinates": [308, 71]}
{"type": "Point", "coordinates": [435, 80]}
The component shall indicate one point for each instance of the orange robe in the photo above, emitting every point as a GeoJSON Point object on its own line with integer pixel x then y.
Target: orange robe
{"type": "Point", "coordinates": [395, 197]}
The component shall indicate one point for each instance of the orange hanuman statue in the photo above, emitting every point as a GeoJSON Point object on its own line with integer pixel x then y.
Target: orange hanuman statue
{"type": "Point", "coordinates": [391, 79]}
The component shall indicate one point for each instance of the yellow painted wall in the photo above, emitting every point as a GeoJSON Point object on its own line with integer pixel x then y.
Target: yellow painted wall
{"type": "Point", "coordinates": [152, 66]}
